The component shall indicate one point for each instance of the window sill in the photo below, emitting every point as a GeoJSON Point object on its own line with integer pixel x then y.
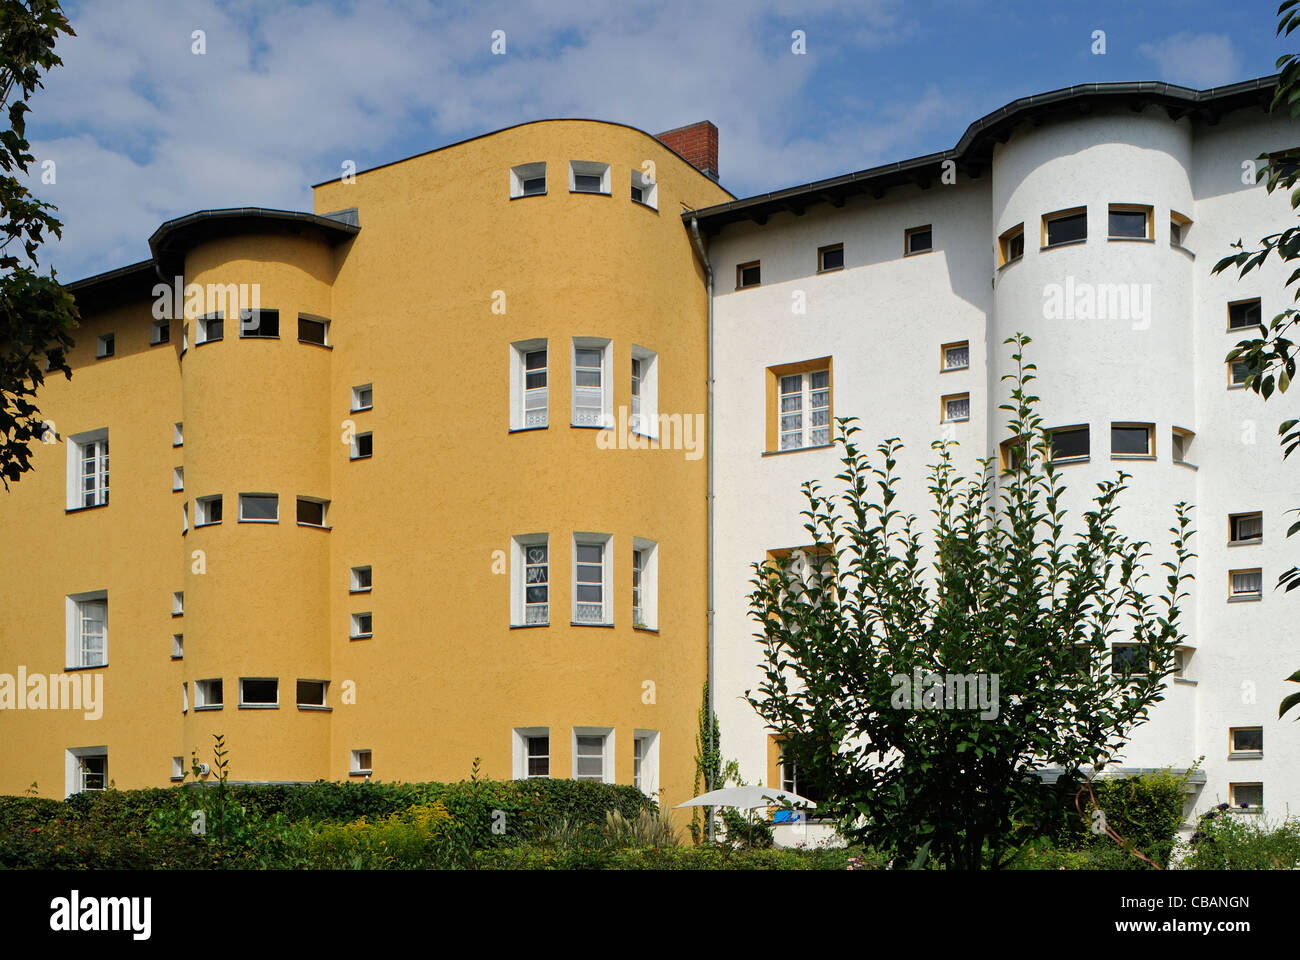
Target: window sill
{"type": "Point", "coordinates": [1063, 243]}
{"type": "Point", "coordinates": [259, 706]}
{"type": "Point", "coordinates": [257, 336]}
{"type": "Point", "coordinates": [1003, 266]}
{"type": "Point", "coordinates": [777, 453]}
{"type": "Point", "coordinates": [1255, 598]}
{"type": "Point", "coordinates": [214, 707]}
{"type": "Point", "coordinates": [175, 445]}
{"type": "Point", "coordinates": [175, 615]}
{"type": "Point", "coordinates": [593, 193]}
{"type": "Point", "coordinates": [367, 457]}
{"type": "Point", "coordinates": [360, 590]}
{"type": "Point", "coordinates": [957, 420]}
{"type": "Point", "coordinates": [1247, 811]}
{"type": "Point", "coordinates": [917, 253]}
{"type": "Point", "coordinates": [1248, 326]}
{"type": "Point", "coordinates": [86, 666]}
{"type": "Point", "coordinates": [1240, 755]}
{"type": "Point", "coordinates": [313, 343]}
{"type": "Point", "coordinates": [528, 626]}
{"type": "Point", "coordinates": [588, 623]}
{"type": "Point", "coordinates": [1066, 461]}
{"type": "Point", "coordinates": [644, 629]}
{"type": "Point", "coordinates": [527, 429]}
{"type": "Point", "coordinates": [177, 779]}
{"type": "Point", "coordinates": [362, 409]}
{"type": "Point", "coordinates": [1133, 239]}
{"type": "Point", "coordinates": [259, 521]}
{"type": "Point", "coordinates": [203, 343]}
{"type": "Point", "coordinates": [1131, 456]}
{"type": "Point", "coordinates": [1184, 463]}
{"type": "Point", "coordinates": [361, 636]}
{"type": "Point", "coordinates": [525, 196]}
{"type": "Point", "coordinates": [1179, 247]}
{"type": "Point", "coordinates": [642, 203]}
{"type": "Point", "coordinates": [1190, 683]}
{"type": "Point", "coordinates": [214, 523]}
{"type": "Point", "coordinates": [752, 286]}
{"type": "Point", "coordinates": [829, 270]}
{"type": "Point", "coordinates": [591, 426]}
{"type": "Point", "coordinates": [954, 369]}
{"type": "Point", "coordinates": [1246, 543]}
{"type": "Point", "coordinates": [315, 526]}
{"type": "Point", "coordinates": [315, 708]}
{"type": "Point", "coordinates": [360, 773]}
{"type": "Point", "coordinates": [93, 506]}
{"type": "Point", "coordinates": [1236, 386]}
{"type": "Point", "coordinates": [178, 656]}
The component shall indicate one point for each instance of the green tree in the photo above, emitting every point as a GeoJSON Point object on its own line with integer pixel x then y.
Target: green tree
{"type": "Point", "coordinates": [1270, 360]}
{"type": "Point", "coordinates": [998, 591]}
{"type": "Point", "coordinates": [36, 313]}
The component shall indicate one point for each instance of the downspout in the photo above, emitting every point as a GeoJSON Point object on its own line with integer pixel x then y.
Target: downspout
{"type": "Point", "coordinates": [708, 272]}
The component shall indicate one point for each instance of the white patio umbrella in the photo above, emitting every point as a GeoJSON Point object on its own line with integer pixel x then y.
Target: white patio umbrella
{"type": "Point", "coordinates": [746, 798]}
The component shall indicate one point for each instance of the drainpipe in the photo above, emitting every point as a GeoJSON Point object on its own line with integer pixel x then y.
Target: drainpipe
{"type": "Point", "coordinates": [708, 271]}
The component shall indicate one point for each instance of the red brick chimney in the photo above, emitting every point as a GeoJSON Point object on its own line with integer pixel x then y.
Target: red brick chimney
{"type": "Point", "coordinates": [697, 143]}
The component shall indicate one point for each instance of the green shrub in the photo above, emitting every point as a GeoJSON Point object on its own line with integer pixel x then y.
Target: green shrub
{"type": "Point", "coordinates": [1225, 840]}
{"type": "Point", "coordinates": [417, 837]}
{"type": "Point", "coordinates": [702, 857]}
{"type": "Point", "coordinates": [1145, 810]}
{"type": "Point", "coordinates": [753, 833]}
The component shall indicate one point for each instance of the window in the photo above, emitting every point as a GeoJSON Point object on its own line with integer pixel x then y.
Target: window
{"type": "Point", "coordinates": [1244, 314]}
{"type": "Point", "coordinates": [363, 446]}
{"type": "Point", "coordinates": [88, 469]}
{"type": "Point", "coordinates": [645, 190]}
{"type": "Point", "coordinates": [178, 646]}
{"type": "Point", "coordinates": [748, 275]}
{"type": "Point", "coordinates": [593, 754]}
{"type": "Point", "coordinates": [178, 603]}
{"type": "Point", "coordinates": [1129, 221]}
{"type": "Point", "coordinates": [1011, 245]}
{"type": "Point", "coordinates": [185, 697]}
{"type": "Point", "coordinates": [178, 478]}
{"type": "Point", "coordinates": [530, 584]}
{"type": "Point", "coordinates": [1246, 527]}
{"type": "Point", "coordinates": [313, 330]}
{"type": "Point", "coordinates": [790, 778]}
{"type": "Point", "coordinates": [917, 240]}
{"type": "Point", "coordinates": [1245, 584]}
{"type": "Point", "coordinates": [209, 328]}
{"type": "Point", "coordinates": [1069, 443]}
{"type": "Point", "coordinates": [1015, 453]}
{"type": "Point", "coordinates": [1130, 658]}
{"type": "Point", "coordinates": [259, 323]}
{"type": "Point", "coordinates": [259, 692]}
{"type": "Point", "coordinates": [830, 258]}
{"type": "Point", "coordinates": [160, 331]}
{"type": "Point", "coordinates": [645, 584]}
{"type": "Point", "coordinates": [531, 752]}
{"type": "Point", "coordinates": [311, 693]}
{"type": "Point", "coordinates": [87, 644]}
{"type": "Point", "coordinates": [361, 763]}
{"type": "Point", "coordinates": [185, 517]}
{"type": "Point", "coordinates": [593, 404]}
{"type": "Point", "coordinates": [1181, 445]}
{"type": "Point", "coordinates": [360, 580]}
{"type": "Point", "coordinates": [1248, 740]}
{"type": "Point", "coordinates": [1065, 226]}
{"type": "Point", "coordinates": [208, 694]}
{"type": "Point", "coordinates": [1182, 661]}
{"type": "Point", "coordinates": [185, 338]}
{"type": "Point", "coordinates": [1132, 440]}
{"type": "Point", "coordinates": [539, 756]}
{"type": "Point", "coordinates": [591, 570]}
{"type": "Point", "coordinates": [363, 397]}
{"type": "Point", "coordinates": [178, 768]}
{"type": "Point", "coordinates": [87, 769]}
{"type": "Point", "coordinates": [311, 512]}
{"type": "Point", "coordinates": [528, 385]}
{"type": "Point", "coordinates": [588, 177]}
{"type": "Point", "coordinates": [956, 408]}
{"type": "Point", "coordinates": [955, 356]}
{"type": "Point", "coordinates": [1238, 373]}
{"type": "Point", "coordinates": [104, 346]}
{"type": "Point", "coordinates": [207, 510]}
{"type": "Point", "coordinates": [645, 761]}
{"type": "Point", "coordinates": [644, 418]}
{"type": "Point", "coordinates": [1246, 797]}
{"type": "Point", "coordinates": [362, 626]}
{"type": "Point", "coordinates": [528, 180]}
{"type": "Point", "coordinates": [178, 437]}
{"type": "Point", "coordinates": [259, 508]}
{"type": "Point", "coordinates": [800, 412]}
{"type": "Point", "coordinates": [1178, 229]}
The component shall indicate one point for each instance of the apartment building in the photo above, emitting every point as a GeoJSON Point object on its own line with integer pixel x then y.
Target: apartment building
{"type": "Point", "coordinates": [434, 504]}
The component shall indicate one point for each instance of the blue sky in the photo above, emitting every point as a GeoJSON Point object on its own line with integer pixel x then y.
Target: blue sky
{"type": "Point", "coordinates": [141, 129]}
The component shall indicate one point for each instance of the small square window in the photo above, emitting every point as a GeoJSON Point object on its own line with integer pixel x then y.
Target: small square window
{"type": "Point", "coordinates": [259, 692]}
{"type": "Point", "coordinates": [361, 763]}
{"type": "Point", "coordinates": [207, 510]}
{"type": "Point", "coordinates": [92, 771]}
{"type": "Point", "coordinates": [208, 694]}
{"type": "Point", "coordinates": [1245, 314]}
{"type": "Point", "coordinates": [1245, 584]}
{"type": "Point", "coordinates": [956, 408]}
{"type": "Point", "coordinates": [917, 240]}
{"type": "Point", "coordinates": [311, 693]}
{"type": "Point", "coordinates": [645, 190]}
{"type": "Point", "coordinates": [259, 508]}
{"type": "Point", "coordinates": [586, 176]}
{"type": "Point", "coordinates": [1065, 226]}
{"type": "Point", "coordinates": [956, 356]}
{"type": "Point", "coordinates": [1246, 527]}
{"type": "Point", "coordinates": [178, 603]}
{"type": "Point", "coordinates": [363, 446]}
{"type": "Point", "coordinates": [160, 331]}
{"type": "Point", "coordinates": [104, 347]}
{"type": "Point", "coordinates": [1181, 445]}
{"type": "Point", "coordinates": [313, 330]}
{"type": "Point", "coordinates": [528, 180]}
{"type": "Point", "coordinates": [311, 512]}
{"type": "Point", "coordinates": [748, 275]}
{"type": "Point", "coordinates": [1238, 373]}
{"type": "Point", "coordinates": [178, 478]}
{"type": "Point", "coordinates": [1130, 658]}
{"type": "Point", "coordinates": [1179, 226]}
{"type": "Point", "coordinates": [362, 624]}
{"type": "Point", "coordinates": [178, 646]}
{"type": "Point", "coordinates": [211, 327]}
{"type": "Point", "coordinates": [1132, 440]}
{"type": "Point", "coordinates": [1246, 797]}
{"type": "Point", "coordinates": [363, 397]}
{"type": "Point", "coordinates": [830, 258]}
{"type": "Point", "coordinates": [259, 323]}
{"type": "Point", "coordinates": [1246, 740]}
{"type": "Point", "coordinates": [1011, 245]}
{"type": "Point", "coordinates": [1069, 443]}
{"type": "Point", "coordinates": [1182, 661]}
{"type": "Point", "coordinates": [1129, 221]}
{"type": "Point", "coordinates": [359, 581]}
{"type": "Point", "coordinates": [178, 437]}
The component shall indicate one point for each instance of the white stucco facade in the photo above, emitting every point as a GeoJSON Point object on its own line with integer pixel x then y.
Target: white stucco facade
{"type": "Point", "coordinates": [884, 317]}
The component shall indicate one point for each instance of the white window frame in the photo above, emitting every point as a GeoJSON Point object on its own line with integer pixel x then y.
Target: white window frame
{"type": "Point", "coordinates": [519, 755]}
{"type": "Point", "coordinates": [178, 646]}
{"type": "Point", "coordinates": [355, 768]}
{"type": "Point", "coordinates": [527, 171]}
{"type": "Point", "coordinates": [203, 509]}
{"type": "Point", "coordinates": [648, 740]}
{"type": "Point", "coordinates": [324, 694]}
{"type": "Point", "coordinates": [185, 517]}
{"type": "Point", "coordinates": [185, 697]}
{"type": "Point", "coordinates": [354, 630]}
{"type": "Point", "coordinates": [519, 392]}
{"type": "Point", "coordinates": [201, 694]}
{"type": "Point", "coordinates": [74, 780]}
{"type": "Point", "coordinates": [105, 346]}
{"type": "Point", "coordinates": [643, 415]}
{"type": "Point", "coordinates": [202, 330]}
{"type": "Point", "coordinates": [324, 512]}
{"type": "Point", "coordinates": [251, 493]}
{"type": "Point", "coordinates": [325, 330]}
{"type": "Point", "coordinates": [178, 434]}
{"type": "Point", "coordinates": [178, 603]}
{"type": "Point", "coordinates": [245, 704]}
{"type": "Point", "coordinates": [100, 473]}
{"type": "Point", "coordinates": [178, 768]}
{"type": "Point", "coordinates": [519, 612]}
{"type": "Point", "coordinates": [649, 551]}
{"type": "Point", "coordinates": [606, 542]}
{"type": "Point", "coordinates": [248, 330]}
{"type": "Point", "coordinates": [155, 332]}
{"type": "Point", "coordinates": [1235, 594]}
{"type": "Point", "coordinates": [1235, 751]}
{"type": "Point", "coordinates": [806, 428]}
{"type": "Point", "coordinates": [1188, 437]}
{"type": "Point", "coordinates": [606, 415]}
{"type": "Point", "coordinates": [178, 479]}
{"type": "Point", "coordinates": [607, 751]}
{"type": "Point", "coordinates": [78, 605]}
{"type": "Point", "coordinates": [358, 405]}
{"type": "Point", "coordinates": [354, 579]}
{"type": "Point", "coordinates": [1257, 515]}
{"type": "Point", "coordinates": [589, 168]}
{"type": "Point", "coordinates": [1232, 796]}
{"type": "Point", "coordinates": [354, 452]}
{"type": "Point", "coordinates": [649, 189]}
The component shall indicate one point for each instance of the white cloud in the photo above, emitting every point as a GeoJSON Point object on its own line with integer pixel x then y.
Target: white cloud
{"type": "Point", "coordinates": [1198, 60]}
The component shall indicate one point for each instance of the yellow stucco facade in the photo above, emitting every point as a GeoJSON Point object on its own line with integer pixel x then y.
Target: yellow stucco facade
{"type": "Point", "coordinates": [424, 303]}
